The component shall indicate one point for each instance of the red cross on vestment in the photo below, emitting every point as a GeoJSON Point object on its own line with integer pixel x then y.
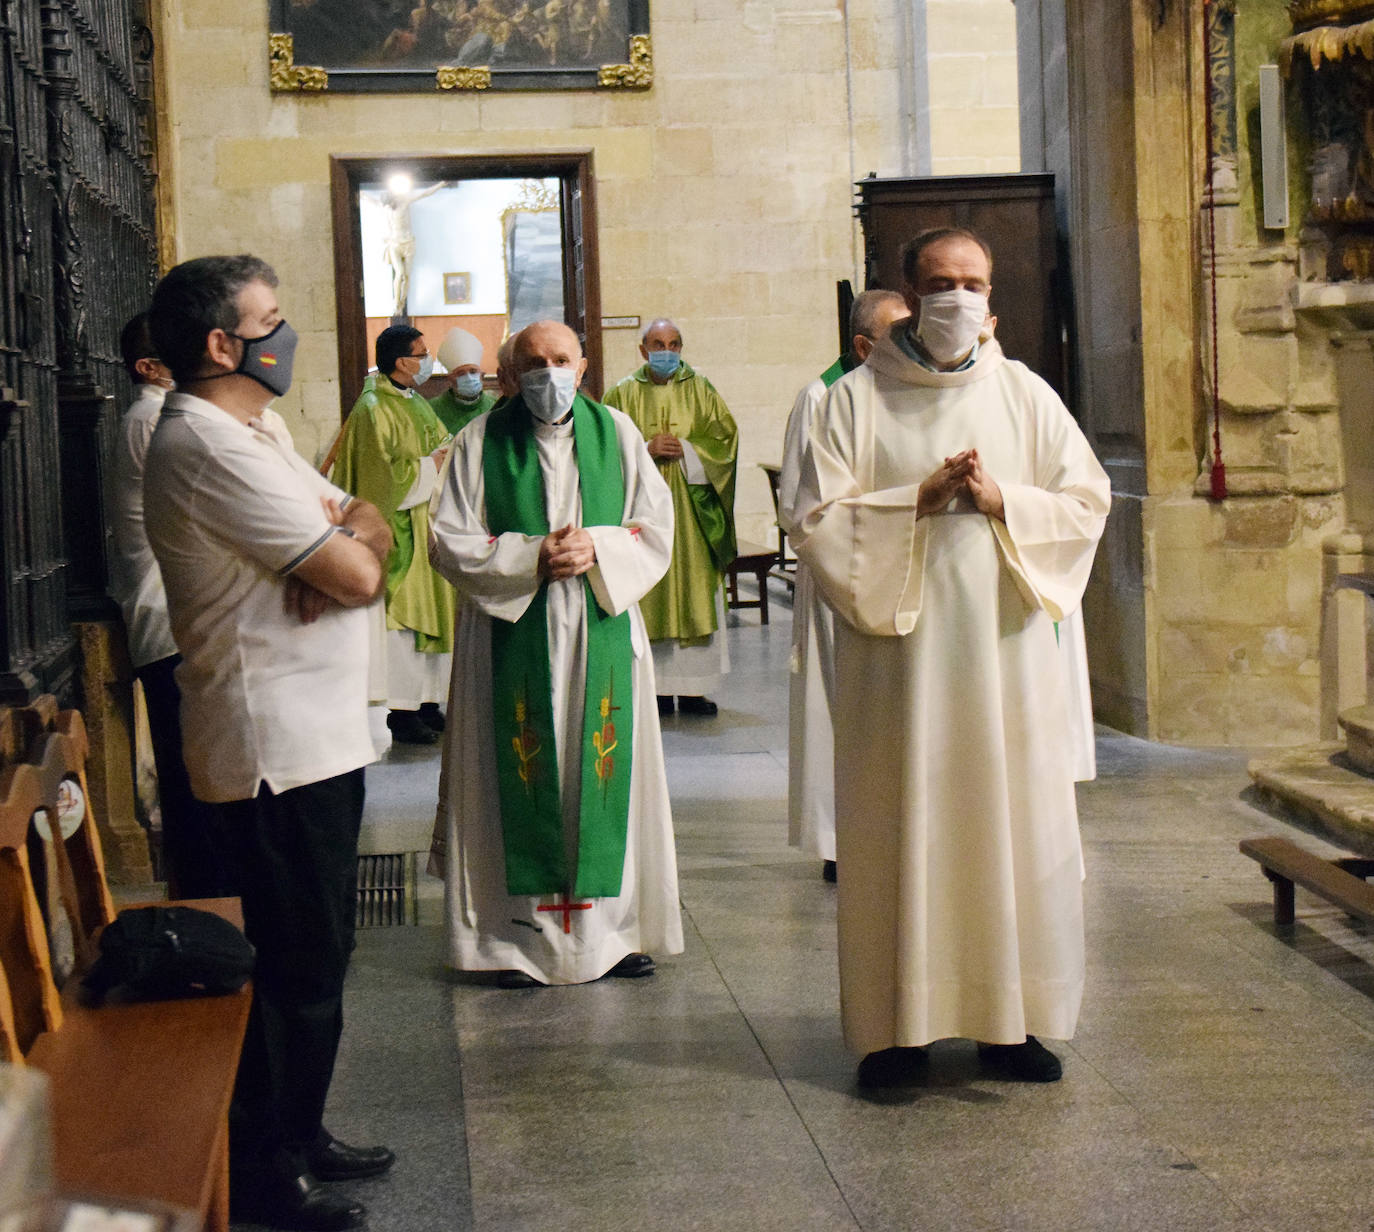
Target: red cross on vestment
{"type": "Point", "coordinates": [567, 907]}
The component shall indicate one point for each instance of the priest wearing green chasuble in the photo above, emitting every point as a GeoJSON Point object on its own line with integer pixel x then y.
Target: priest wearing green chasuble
{"type": "Point", "coordinates": [553, 833]}
{"type": "Point", "coordinates": [465, 398]}
{"type": "Point", "coordinates": [693, 440]}
{"type": "Point", "coordinates": [393, 446]}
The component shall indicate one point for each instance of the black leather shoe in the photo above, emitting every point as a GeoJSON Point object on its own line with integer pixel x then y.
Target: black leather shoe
{"type": "Point", "coordinates": [829, 872]}
{"type": "Point", "coordinates": [697, 705]}
{"type": "Point", "coordinates": [631, 967]}
{"type": "Point", "coordinates": [407, 727]}
{"type": "Point", "coordinates": [431, 716]}
{"type": "Point", "coordinates": [332, 1160]}
{"type": "Point", "coordinates": [1028, 1062]}
{"type": "Point", "coordinates": [298, 1204]}
{"type": "Point", "coordinates": [516, 979]}
{"type": "Point", "coordinates": [665, 704]}
{"type": "Point", "coordinates": [894, 1067]}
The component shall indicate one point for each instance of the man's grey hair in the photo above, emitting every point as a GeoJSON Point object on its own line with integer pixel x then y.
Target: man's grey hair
{"type": "Point", "coordinates": [863, 313]}
{"type": "Point", "coordinates": [911, 254]}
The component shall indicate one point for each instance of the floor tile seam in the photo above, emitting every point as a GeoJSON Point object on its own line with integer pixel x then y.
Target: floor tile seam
{"type": "Point", "coordinates": [777, 1076]}
{"type": "Point", "coordinates": [1159, 1135]}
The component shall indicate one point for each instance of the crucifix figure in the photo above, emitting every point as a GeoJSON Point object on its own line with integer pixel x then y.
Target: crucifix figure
{"type": "Point", "coordinates": [398, 248]}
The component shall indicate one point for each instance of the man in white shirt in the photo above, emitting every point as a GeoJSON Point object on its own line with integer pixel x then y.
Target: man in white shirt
{"type": "Point", "coordinates": [136, 585]}
{"type": "Point", "coordinates": [268, 568]}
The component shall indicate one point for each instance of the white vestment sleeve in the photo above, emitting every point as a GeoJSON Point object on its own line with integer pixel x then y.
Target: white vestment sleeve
{"type": "Point", "coordinates": [632, 557]}
{"type": "Point", "coordinates": [1052, 526]}
{"type": "Point", "coordinates": [866, 549]}
{"type": "Point", "coordinates": [793, 447]}
{"type": "Point", "coordinates": [499, 574]}
{"type": "Point", "coordinates": [691, 465]}
{"type": "Point", "coordinates": [423, 487]}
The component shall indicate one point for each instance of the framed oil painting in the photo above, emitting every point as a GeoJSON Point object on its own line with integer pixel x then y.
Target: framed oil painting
{"type": "Point", "coordinates": [426, 45]}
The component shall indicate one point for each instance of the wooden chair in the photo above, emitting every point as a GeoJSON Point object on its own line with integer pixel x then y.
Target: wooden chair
{"type": "Point", "coordinates": [139, 1092]}
{"type": "Point", "coordinates": [786, 564]}
{"type": "Point", "coordinates": [758, 560]}
{"type": "Point", "coordinates": [29, 1003]}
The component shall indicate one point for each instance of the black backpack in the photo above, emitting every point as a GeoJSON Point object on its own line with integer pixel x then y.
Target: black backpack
{"type": "Point", "coordinates": [157, 953]}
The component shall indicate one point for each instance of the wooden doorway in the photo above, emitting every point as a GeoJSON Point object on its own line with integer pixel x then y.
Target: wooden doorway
{"type": "Point", "coordinates": [351, 177]}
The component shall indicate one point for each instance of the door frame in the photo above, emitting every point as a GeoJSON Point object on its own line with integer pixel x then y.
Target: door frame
{"type": "Point", "coordinates": [581, 295]}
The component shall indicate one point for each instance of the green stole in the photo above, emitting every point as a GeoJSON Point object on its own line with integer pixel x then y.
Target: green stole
{"type": "Point", "coordinates": [522, 694]}
{"type": "Point", "coordinates": [846, 363]}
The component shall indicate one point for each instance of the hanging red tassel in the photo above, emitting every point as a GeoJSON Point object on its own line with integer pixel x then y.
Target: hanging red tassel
{"type": "Point", "coordinates": [1218, 468]}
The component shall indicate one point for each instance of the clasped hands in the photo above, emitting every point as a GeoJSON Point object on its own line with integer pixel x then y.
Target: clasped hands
{"type": "Point", "coordinates": [962, 473]}
{"type": "Point", "coordinates": [664, 447]}
{"type": "Point", "coordinates": [566, 553]}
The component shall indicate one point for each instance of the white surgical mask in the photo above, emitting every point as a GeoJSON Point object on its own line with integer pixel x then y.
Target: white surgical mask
{"type": "Point", "coordinates": [426, 370]}
{"type": "Point", "coordinates": [549, 392]}
{"type": "Point", "coordinates": [950, 323]}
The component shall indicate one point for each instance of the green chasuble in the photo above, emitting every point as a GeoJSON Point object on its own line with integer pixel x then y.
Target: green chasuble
{"type": "Point", "coordinates": [379, 459]}
{"type": "Point", "coordinates": [683, 604]}
{"type": "Point", "coordinates": [455, 415]}
{"type": "Point", "coordinates": [521, 688]}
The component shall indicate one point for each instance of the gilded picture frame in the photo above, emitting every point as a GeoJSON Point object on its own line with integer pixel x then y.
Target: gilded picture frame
{"type": "Point", "coordinates": [407, 46]}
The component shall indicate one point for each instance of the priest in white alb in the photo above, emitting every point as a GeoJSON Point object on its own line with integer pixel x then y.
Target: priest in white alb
{"type": "Point", "coordinates": [811, 668]}
{"type": "Point", "coordinates": [553, 832]}
{"type": "Point", "coordinates": [949, 509]}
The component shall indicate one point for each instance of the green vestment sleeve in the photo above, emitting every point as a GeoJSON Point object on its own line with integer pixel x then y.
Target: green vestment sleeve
{"type": "Point", "coordinates": [386, 436]}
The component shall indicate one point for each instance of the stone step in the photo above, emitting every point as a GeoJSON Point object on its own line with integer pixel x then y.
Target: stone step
{"type": "Point", "coordinates": [1358, 725]}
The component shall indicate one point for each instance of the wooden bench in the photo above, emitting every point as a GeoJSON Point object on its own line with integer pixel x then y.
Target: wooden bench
{"type": "Point", "coordinates": [758, 560]}
{"type": "Point", "coordinates": [139, 1092]}
{"type": "Point", "coordinates": [1341, 881]}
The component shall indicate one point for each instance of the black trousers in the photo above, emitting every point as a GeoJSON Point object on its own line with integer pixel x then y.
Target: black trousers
{"type": "Point", "coordinates": [293, 860]}
{"type": "Point", "coordinates": [189, 859]}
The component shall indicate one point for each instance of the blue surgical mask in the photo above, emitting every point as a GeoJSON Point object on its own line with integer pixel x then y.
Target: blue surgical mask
{"type": "Point", "coordinates": [426, 370]}
{"type": "Point", "coordinates": [664, 363]}
{"type": "Point", "coordinates": [549, 392]}
{"type": "Point", "coordinates": [468, 386]}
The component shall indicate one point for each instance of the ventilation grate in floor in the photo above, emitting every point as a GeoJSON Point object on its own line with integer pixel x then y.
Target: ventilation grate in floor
{"type": "Point", "coordinates": [386, 890]}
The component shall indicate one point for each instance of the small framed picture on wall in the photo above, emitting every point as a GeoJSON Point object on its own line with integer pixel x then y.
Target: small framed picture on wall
{"type": "Point", "coordinates": [457, 288]}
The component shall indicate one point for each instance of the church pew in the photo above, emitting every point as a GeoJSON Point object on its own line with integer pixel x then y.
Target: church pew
{"type": "Point", "coordinates": [1341, 882]}
{"type": "Point", "coordinates": [139, 1092]}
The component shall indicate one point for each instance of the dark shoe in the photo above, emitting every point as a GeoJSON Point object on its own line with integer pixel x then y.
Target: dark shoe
{"type": "Point", "coordinates": [665, 704]}
{"type": "Point", "coordinates": [299, 1204]}
{"type": "Point", "coordinates": [894, 1067]}
{"type": "Point", "coordinates": [697, 705]}
{"type": "Point", "coordinates": [1028, 1062]}
{"type": "Point", "coordinates": [516, 979]}
{"type": "Point", "coordinates": [431, 716]}
{"type": "Point", "coordinates": [631, 967]}
{"type": "Point", "coordinates": [828, 872]}
{"type": "Point", "coordinates": [407, 727]}
{"type": "Point", "coordinates": [332, 1160]}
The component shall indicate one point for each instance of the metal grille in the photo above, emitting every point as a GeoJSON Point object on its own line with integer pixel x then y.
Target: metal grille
{"type": "Point", "coordinates": [77, 258]}
{"type": "Point", "coordinates": [386, 890]}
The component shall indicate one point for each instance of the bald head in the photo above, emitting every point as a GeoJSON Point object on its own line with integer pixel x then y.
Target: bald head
{"type": "Point", "coordinates": [547, 344]}
{"type": "Point", "coordinates": [661, 334]}
{"type": "Point", "coordinates": [873, 313]}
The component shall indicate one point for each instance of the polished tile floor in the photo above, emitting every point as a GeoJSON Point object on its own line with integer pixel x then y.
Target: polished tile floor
{"type": "Point", "coordinates": [1222, 1077]}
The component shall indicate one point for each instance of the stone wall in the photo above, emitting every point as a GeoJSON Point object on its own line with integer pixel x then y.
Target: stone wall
{"type": "Point", "coordinates": [724, 191]}
{"type": "Point", "coordinates": [1203, 616]}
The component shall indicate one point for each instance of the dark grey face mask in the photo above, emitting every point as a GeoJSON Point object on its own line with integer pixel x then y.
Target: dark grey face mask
{"type": "Point", "coordinates": [268, 359]}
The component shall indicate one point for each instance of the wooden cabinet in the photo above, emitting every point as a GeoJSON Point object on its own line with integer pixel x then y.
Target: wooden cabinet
{"type": "Point", "coordinates": [1015, 215]}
